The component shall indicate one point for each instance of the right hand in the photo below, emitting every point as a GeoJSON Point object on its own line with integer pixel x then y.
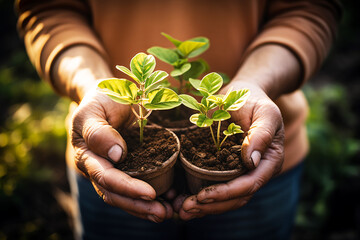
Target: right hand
{"type": "Point", "coordinates": [97, 144]}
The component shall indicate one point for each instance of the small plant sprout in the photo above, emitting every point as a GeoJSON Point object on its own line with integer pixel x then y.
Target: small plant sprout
{"type": "Point", "coordinates": [179, 59]}
{"type": "Point", "coordinates": [220, 104]}
{"type": "Point", "coordinates": [147, 92]}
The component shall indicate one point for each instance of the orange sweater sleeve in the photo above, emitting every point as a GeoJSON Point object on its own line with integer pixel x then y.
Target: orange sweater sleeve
{"type": "Point", "coordinates": [50, 27]}
{"type": "Point", "coordinates": [307, 28]}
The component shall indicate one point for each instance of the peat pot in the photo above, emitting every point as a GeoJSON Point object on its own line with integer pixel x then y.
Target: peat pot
{"type": "Point", "coordinates": [161, 177]}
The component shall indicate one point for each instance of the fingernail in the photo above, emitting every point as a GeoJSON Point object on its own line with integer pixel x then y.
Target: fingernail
{"type": "Point", "coordinates": [255, 157]}
{"type": "Point", "coordinates": [154, 218]}
{"type": "Point", "coordinates": [193, 210]}
{"type": "Point", "coordinates": [207, 200]}
{"type": "Point", "coordinates": [115, 153]}
{"type": "Point", "coordinates": [146, 198]}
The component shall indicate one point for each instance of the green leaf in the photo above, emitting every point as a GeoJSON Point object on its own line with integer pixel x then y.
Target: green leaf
{"type": "Point", "coordinates": [208, 105]}
{"type": "Point", "coordinates": [220, 115]}
{"type": "Point", "coordinates": [128, 72]}
{"type": "Point", "coordinates": [236, 99]}
{"type": "Point", "coordinates": [225, 78]}
{"type": "Point", "coordinates": [210, 84]}
{"type": "Point", "coordinates": [201, 120]}
{"type": "Point", "coordinates": [190, 102]}
{"type": "Point", "coordinates": [233, 129]}
{"type": "Point", "coordinates": [197, 68]}
{"type": "Point", "coordinates": [120, 90]}
{"type": "Point", "coordinates": [162, 99]}
{"type": "Point", "coordinates": [155, 78]}
{"type": "Point", "coordinates": [195, 93]}
{"type": "Point", "coordinates": [187, 47]}
{"type": "Point", "coordinates": [195, 83]}
{"type": "Point", "coordinates": [171, 39]}
{"type": "Point", "coordinates": [216, 99]}
{"type": "Point", "coordinates": [164, 54]}
{"type": "Point", "coordinates": [142, 66]}
{"type": "Point", "coordinates": [179, 71]}
{"type": "Point", "coordinates": [161, 84]}
{"type": "Point", "coordinates": [202, 49]}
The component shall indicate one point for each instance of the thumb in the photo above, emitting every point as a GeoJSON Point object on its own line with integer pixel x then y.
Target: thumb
{"type": "Point", "coordinates": [105, 141]}
{"type": "Point", "coordinates": [100, 137]}
{"type": "Point", "coordinates": [260, 135]}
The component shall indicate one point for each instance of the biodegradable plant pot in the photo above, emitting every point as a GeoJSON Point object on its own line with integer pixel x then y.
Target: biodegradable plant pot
{"type": "Point", "coordinates": [199, 178]}
{"type": "Point", "coordinates": [159, 173]}
{"type": "Point", "coordinates": [204, 165]}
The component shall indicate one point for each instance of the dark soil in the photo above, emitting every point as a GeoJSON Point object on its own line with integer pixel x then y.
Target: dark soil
{"type": "Point", "coordinates": [173, 118]}
{"type": "Point", "coordinates": [158, 146]}
{"type": "Point", "coordinates": [198, 147]}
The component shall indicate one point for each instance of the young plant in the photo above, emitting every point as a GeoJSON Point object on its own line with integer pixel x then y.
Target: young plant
{"type": "Point", "coordinates": [147, 92]}
{"type": "Point", "coordinates": [179, 59]}
{"type": "Point", "coordinates": [222, 104]}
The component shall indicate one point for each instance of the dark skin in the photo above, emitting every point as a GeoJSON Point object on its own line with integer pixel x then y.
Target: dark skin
{"type": "Point", "coordinates": [269, 71]}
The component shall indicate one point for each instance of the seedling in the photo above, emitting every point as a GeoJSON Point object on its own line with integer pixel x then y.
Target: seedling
{"type": "Point", "coordinates": [179, 59]}
{"type": "Point", "coordinates": [147, 92]}
{"type": "Point", "coordinates": [231, 101]}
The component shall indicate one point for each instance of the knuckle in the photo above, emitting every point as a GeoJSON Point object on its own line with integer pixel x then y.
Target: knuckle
{"type": "Point", "coordinates": [98, 176]}
{"type": "Point", "coordinates": [229, 194]}
{"type": "Point", "coordinates": [108, 199]}
{"type": "Point", "coordinates": [80, 158]}
{"type": "Point", "coordinates": [266, 137]}
{"type": "Point", "coordinates": [257, 184]}
{"type": "Point", "coordinates": [94, 132]}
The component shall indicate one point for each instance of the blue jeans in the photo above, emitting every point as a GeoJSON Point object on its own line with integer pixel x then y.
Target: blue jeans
{"type": "Point", "coordinates": [268, 215]}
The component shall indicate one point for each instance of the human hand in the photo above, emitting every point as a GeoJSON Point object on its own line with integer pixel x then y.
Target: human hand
{"type": "Point", "coordinates": [262, 153]}
{"type": "Point", "coordinates": [98, 145]}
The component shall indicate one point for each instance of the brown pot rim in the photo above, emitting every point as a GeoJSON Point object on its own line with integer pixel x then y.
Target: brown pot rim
{"type": "Point", "coordinates": [174, 129]}
{"type": "Point", "coordinates": [211, 175]}
{"type": "Point", "coordinates": [154, 172]}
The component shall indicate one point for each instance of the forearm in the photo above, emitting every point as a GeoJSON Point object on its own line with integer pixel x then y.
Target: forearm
{"type": "Point", "coordinates": [77, 70]}
{"type": "Point", "coordinates": [272, 67]}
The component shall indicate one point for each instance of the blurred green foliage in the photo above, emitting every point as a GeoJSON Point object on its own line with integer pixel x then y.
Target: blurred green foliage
{"type": "Point", "coordinates": [332, 158]}
{"type": "Point", "coordinates": [32, 146]}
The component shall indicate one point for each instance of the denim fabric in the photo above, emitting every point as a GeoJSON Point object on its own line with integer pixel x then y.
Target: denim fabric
{"type": "Point", "coordinates": [268, 215]}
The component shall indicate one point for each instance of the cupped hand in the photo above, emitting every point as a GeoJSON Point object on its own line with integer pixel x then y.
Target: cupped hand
{"type": "Point", "coordinates": [98, 145]}
{"type": "Point", "coordinates": [262, 154]}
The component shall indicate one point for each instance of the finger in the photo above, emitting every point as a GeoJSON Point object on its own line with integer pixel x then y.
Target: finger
{"type": "Point", "coordinates": [151, 210]}
{"type": "Point", "coordinates": [177, 203]}
{"type": "Point", "coordinates": [247, 184]}
{"type": "Point", "coordinates": [267, 123]}
{"type": "Point", "coordinates": [170, 194]}
{"type": "Point", "coordinates": [102, 172]}
{"type": "Point", "coordinates": [193, 209]}
{"type": "Point", "coordinates": [168, 208]}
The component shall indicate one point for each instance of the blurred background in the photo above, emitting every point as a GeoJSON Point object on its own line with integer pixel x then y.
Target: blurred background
{"type": "Point", "coordinates": [33, 185]}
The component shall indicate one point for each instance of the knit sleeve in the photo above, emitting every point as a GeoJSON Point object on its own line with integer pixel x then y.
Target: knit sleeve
{"type": "Point", "coordinates": [307, 28]}
{"type": "Point", "coordinates": [49, 27]}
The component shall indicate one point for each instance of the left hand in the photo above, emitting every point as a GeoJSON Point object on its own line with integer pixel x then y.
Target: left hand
{"type": "Point", "coordinates": [262, 153]}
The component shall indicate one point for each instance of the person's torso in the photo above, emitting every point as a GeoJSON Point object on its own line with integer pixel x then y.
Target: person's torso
{"type": "Point", "coordinates": [128, 27]}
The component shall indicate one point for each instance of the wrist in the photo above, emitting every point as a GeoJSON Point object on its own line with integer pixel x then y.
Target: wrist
{"type": "Point", "coordinates": [77, 70]}
{"type": "Point", "coordinates": [273, 68]}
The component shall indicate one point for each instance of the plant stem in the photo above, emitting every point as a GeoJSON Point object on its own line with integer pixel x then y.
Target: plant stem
{"type": "Point", "coordinates": [135, 113]}
{"type": "Point", "coordinates": [181, 81]}
{"type": "Point", "coordinates": [141, 115]}
{"type": "Point", "coordinates": [218, 136]}
{"type": "Point", "coordinates": [213, 137]}
{"type": "Point", "coordinates": [222, 142]}
{"type": "Point", "coordinates": [141, 123]}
